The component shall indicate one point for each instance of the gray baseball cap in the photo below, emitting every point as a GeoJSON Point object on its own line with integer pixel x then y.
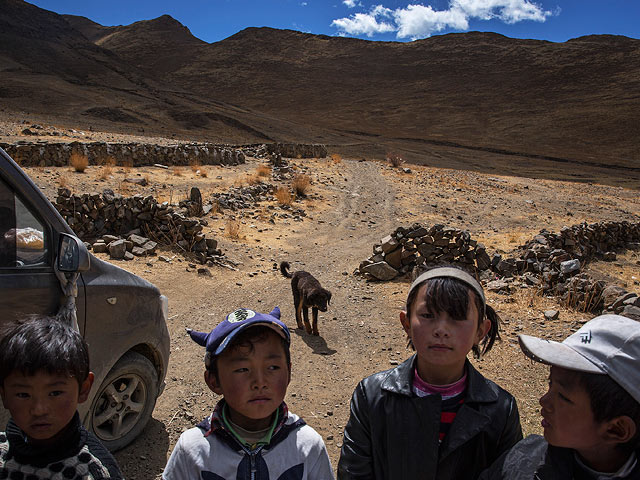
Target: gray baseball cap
{"type": "Point", "coordinates": [607, 345]}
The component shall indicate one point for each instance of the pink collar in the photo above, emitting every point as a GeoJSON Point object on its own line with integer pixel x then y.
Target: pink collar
{"type": "Point", "coordinates": [446, 391]}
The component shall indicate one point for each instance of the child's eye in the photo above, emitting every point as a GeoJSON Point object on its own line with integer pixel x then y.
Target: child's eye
{"type": "Point", "coordinates": [562, 397]}
{"type": "Point", "coordinates": [241, 370]}
{"type": "Point", "coordinates": [274, 367]}
{"type": "Point", "coordinates": [22, 395]}
{"type": "Point", "coordinates": [56, 393]}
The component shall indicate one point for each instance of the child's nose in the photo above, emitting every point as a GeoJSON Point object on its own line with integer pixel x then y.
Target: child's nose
{"type": "Point", "coordinates": [39, 407]}
{"type": "Point", "coordinates": [259, 380]}
{"type": "Point", "coordinates": [544, 401]}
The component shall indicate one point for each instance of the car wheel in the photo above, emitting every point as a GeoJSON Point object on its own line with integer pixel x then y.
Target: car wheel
{"type": "Point", "coordinates": [124, 402]}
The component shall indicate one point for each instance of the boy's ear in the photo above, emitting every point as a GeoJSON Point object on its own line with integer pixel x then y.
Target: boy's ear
{"type": "Point", "coordinates": [620, 429]}
{"type": "Point", "coordinates": [404, 320]}
{"type": "Point", "coordinates": [212, 383]}
{"type": "Point", "coordinates": [85, 387]}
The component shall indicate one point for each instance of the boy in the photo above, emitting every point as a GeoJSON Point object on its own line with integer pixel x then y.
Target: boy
{"type": "Point", "coordinates": [591, 412]}
{"type": "Point", "coordinates": [250, 433]}
{"type": "Point", "coordinates": [44, 375]}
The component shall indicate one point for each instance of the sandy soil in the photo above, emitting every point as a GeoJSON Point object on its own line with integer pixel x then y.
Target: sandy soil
{"type": "Point", "coordinates": [350, 206]}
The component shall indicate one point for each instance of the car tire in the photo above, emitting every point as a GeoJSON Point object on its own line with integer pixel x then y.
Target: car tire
{"type": "Point", "coordinates": [124, 402]}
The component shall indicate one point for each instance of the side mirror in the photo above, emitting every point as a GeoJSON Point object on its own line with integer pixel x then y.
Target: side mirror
{"type": "Point", "coordinates": [72, 254]}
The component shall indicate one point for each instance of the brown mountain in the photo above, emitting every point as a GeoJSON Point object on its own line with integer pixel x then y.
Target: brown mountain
{"type": "Point", "coordinates": [472, 100]}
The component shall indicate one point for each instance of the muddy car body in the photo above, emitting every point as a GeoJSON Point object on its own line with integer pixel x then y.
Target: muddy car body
{"type": "Point", "coordinates": [121, 316]}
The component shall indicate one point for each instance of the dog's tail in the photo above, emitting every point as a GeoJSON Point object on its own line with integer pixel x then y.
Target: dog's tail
{"type": "Point", "coordinates": [284, 269]}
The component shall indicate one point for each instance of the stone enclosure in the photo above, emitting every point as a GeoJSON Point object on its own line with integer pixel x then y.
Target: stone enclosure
{"type": "Point", "coordinates": [550, 262]}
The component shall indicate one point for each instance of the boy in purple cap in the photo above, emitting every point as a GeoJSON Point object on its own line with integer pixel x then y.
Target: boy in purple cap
{"type": "Point", "coordinates": [250, 433]}
{"type": "Point", "coordinates": [591, 412]}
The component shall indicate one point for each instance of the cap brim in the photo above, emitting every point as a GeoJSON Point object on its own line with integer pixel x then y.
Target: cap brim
{"type": "Point", "coordinates": [274, 326]}
{"type": "Point", "coordinates": [555, 353]}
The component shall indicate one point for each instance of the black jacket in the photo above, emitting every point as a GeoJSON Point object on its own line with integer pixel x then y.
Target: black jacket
{"type": "Point", "coordinates": [534, 459]}
{"type": "Point", "coordinates": [393, 434]}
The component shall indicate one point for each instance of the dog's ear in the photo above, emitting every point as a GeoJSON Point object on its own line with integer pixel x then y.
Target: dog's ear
{"type": "Point", "coordinates": [328, 297]}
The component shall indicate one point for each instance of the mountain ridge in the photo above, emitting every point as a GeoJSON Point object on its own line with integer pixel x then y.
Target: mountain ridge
{"type": "Point", "coordinates": [577, 100]}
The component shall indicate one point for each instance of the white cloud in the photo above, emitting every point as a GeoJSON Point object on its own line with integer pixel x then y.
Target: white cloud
{"type": "Point", "coordinates": [303, 4]}
{"type": "Point", "coordinates": [420, 21]}
{"type": "Point", "coordinates": [365, 23]}
{"type": "Point", "coordinates": [417, 21]}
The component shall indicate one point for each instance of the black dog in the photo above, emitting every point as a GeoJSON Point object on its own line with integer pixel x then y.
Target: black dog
{"type": "Point", "coordinates": [307, 292]}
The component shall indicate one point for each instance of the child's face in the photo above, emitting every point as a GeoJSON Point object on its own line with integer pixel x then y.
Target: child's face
{"type": "Point", "coordinates": [441, 342]}
{"type": "Point", "coordinates": [252, 381]}
{"type": "Point", "coordinates": [567, 417]}
{"type": "Point", "coordinates": [44, 403]}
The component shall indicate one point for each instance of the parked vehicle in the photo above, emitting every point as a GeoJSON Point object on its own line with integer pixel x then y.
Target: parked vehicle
{"type": "Point", "coordinates": [121, 316]}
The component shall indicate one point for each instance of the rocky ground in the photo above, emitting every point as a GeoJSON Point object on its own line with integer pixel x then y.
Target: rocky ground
{"type": "Point", "coordinates": [350, 205]}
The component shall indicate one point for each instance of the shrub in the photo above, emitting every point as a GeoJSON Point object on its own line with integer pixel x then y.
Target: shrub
{"type": "Point", "coordinates": [394, 159]}
{"type": "Point", "coordinates": [105, 173]}
{"type": "Point", "coordinates": [284, 196]}
{"type": "Point", "coordinates": [79, 162]}
{"type": "Point", "coordinates": [300, 183]}
{"type": "Point", "coordinates": [232, 229]}
{"type": "Point", "coordinates": [263, 170]}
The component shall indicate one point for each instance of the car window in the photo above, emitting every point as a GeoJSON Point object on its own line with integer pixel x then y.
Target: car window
{"type": "Point", "coordinates": [23, 241]}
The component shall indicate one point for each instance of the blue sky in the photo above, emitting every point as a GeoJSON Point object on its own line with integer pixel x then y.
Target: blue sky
{"type": "Point", "coordinates": [389, 20]}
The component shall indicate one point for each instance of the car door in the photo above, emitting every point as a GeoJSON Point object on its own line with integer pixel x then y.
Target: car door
{"type": "Point", "coordinates": [28, 283]}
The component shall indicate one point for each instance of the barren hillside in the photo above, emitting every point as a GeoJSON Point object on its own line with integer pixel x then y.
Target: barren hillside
{"type": "Point", "coordinates": [476, 101]}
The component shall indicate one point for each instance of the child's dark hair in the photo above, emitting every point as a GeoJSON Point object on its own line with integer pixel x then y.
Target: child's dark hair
{"type": "Point", "coordinates": [450, 295]}
{"type": "Point", "coordinates": [608, 401]}
{"type": "Point", "coordinates": [43, 343]}
{"type": "Point", "coordinates": [247, 339]}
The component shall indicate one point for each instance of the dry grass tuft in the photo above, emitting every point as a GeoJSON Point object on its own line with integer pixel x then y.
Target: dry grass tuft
{"type": "Point", "coordinates": [79, 162]}
{"type": "Point", "coordinates": [284, 196]}
{"type": "Point", "coordinates": [233, 229]}
{"type": "Point", "coordinates": [108, 160]}
{"type": "Point", "coordinates": [263, 171]}
{"type": "Point", "coordinates": [335, 158]}
{"type": "Point", "coordinates": [300, 184]}
{"type": "Point", "coordinates": [105, 172]}
{"type": "Point", "coordinates": [215, 208]}
{"type": "Point", "coordinates": [203, 172]}
{"type": "Point", "coordinates": [394, 159]}
{"type": "Point", "coordinates": [176, 171]}
{"type": "Point", "coordinates": [63, 182]}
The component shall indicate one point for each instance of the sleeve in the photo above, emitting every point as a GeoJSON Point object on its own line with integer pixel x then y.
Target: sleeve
{"type": "Point", "coordinates": [177, 466]}
{"type": "Point", "coordinates": [356, 455]}
{"type": "Point", "coordinates": [321, 467]}
{"type": "Point", "coordinates": [512, 432]}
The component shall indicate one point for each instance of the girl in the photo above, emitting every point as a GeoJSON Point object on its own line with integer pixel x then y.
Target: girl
{"type": "Point", "coordinates": [435, 416]}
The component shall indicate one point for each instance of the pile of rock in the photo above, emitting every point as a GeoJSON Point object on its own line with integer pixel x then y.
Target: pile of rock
{"type": "Point", "coordinates": [237, 198]}
{"type": "Point", "coordinates": [551, 262]}
{"type": "Point", "coordinates": [125, 249]}
{"type": "Point", "coordinates": [417, 246]}
{"type": "Point", "coordinates": [30, 154]}
{"type": "Point", "coordinates": [92, 216]}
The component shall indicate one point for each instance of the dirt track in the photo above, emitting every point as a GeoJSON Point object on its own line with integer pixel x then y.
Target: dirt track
{"type": "Point", "coordinates": [351, 205]}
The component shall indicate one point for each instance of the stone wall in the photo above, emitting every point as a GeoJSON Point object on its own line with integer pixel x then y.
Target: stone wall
{"type": "Point", "coordinates": [92, 216]}
{"type": "Point", "coordinates": [31, 154]}
{"type": "Point", "coordinates": [551, 262]}
{"type": "Point", "coordinates": [132, 154]}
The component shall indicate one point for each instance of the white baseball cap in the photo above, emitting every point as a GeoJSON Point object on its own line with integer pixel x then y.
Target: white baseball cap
{"type": "Point", "coordinates": [607, 345]}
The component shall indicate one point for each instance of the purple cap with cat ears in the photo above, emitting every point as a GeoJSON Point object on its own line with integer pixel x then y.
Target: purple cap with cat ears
{"type": "Point", "coordinates": [220, 337]}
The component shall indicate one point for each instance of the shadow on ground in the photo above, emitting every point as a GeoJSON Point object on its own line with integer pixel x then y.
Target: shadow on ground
{"type": "Point", "coordinates": [317, 344]}
{"type": "Point", "coordinates": [146, 456]}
